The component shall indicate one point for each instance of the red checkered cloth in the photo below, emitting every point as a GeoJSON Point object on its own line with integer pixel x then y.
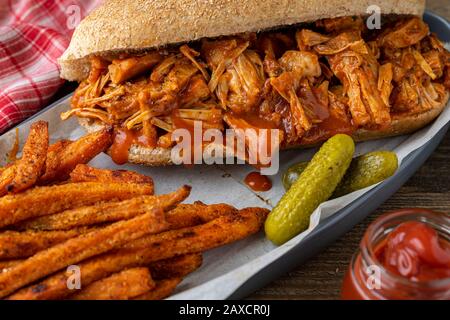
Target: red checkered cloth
{"type": "Point", "coordinates": [33, 34]}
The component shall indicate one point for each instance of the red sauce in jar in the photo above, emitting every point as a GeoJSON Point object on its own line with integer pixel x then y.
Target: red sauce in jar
{"type": "Point", "coordinates": [257, 182]}
{"type": "Point", "coordinates": [415, 251]}
{"type": "Point", "coordinates": [410, 249]}
{"type": "Point", "coordinates": [123, 140]}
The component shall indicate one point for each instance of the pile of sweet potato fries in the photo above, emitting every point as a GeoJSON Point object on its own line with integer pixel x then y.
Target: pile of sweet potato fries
{"type": "Point", "coordinates": [58, 215]}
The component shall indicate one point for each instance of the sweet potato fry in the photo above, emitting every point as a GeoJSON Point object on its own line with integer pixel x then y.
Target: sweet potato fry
{"type": "Point", "coordinates": [57, 147]}
{"type": "Point", "coordinates": [6, 177]}
{"type": "Point", "coordinates": [106, 212]}
{"type": "Point", "coordinates": [124, 285]}
{"type": "Point", "coordinates": [15, 245]}
{"type": "Point", "coordinates": [34, 155]}
{"type": "Point", "coordinates": [166, 245]}
{"type": "Point", "coordinates": [55, 287]}
{"type": "Point", "coordinates": [82, 247]}
{"type": "Point", "coordinates": [189, 215]}
{"type": "Point", "coordinates": [176, 267]}
{"type": "Point", "coordinates": [5, 265]}
{"type": "Point", "coordinates": [41, 201]}
{"type": "Point", "coordinates": [85, 173]}
{"type": "Point", "coordinates": [53, 156]}
{"type": "Point", "coordinates": [66, 156]}
{"type": "Point", "coordinates": [163, 289]}
{"type": "Point", "coordinates": [220, 231]}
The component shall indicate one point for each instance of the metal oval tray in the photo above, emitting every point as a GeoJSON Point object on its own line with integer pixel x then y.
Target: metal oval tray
{"type": "Point", "coordinates": [342, 221]}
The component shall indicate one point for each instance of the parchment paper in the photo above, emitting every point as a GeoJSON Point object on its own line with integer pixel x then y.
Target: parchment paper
{"type": "Point", "coordinates": [226, 269]}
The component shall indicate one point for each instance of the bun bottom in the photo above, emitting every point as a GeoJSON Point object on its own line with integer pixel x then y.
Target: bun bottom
{"type": "Point", "coordinates": [161, 157]}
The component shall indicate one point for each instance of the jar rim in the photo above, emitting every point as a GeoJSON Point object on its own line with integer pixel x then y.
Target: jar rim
{"type": "Point", "coordinates": [423, 215]}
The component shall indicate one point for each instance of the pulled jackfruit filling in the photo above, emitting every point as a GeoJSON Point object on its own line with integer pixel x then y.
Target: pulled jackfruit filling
{"type": "Point", "coordinates": [333, 76]}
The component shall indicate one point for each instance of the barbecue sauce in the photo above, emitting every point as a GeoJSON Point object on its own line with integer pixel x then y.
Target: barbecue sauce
{"type": "Point", "coordinates": [257, 182]}
{"type": "Point", "coordinates": [124, 139]}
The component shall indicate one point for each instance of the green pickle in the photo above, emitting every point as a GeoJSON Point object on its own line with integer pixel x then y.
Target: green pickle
{"type": "Point", "coordinates": [367, 170]}
{"type": "Point", "coordinates": [364, 171]}
{"type": "Point", "coordinates": [292, 173]}
{"type": "Point", "coordinates": [314, 186]}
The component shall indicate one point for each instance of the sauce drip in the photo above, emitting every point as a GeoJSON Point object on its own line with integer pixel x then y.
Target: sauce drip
{"type": "Point", "coordinates": [257, 182]}
{"type": "Point", "coordinates": [123, 140]}
{"type": "Point", "coordinates": [414, 250]}
{"type": "Point", "coordinates": [189, 125]}
{"type": "Point", "coordinates": [326, 129]}
{"type": "Point", "coordinates": [180, 123]}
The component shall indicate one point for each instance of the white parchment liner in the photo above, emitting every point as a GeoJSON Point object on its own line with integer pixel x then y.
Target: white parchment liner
{"type": "Point", "coordinates": [226, 269]}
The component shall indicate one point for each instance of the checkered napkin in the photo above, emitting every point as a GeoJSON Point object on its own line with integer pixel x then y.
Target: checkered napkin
{"type": "Point", "coordinates": [33, 34]}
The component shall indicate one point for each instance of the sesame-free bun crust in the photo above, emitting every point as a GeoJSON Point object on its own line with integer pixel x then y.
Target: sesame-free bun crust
{"type": "Point", "coordinates": [403, 125]}
{"type": "Point", "coordinates": [137, 154]}
{"type": "Point", "coordinates": [138, 25]}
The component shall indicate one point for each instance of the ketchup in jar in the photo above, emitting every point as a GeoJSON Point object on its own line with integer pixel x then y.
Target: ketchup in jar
{"type": "Point", "coordinates": [403, 255]}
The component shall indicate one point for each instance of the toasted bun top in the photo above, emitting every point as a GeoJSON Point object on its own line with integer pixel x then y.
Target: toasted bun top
{"type": "Point", "coordinates": [136, 25]}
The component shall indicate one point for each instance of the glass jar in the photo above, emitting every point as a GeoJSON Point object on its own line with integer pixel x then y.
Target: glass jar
{"type": "Point", "coordinates": [368, 279]}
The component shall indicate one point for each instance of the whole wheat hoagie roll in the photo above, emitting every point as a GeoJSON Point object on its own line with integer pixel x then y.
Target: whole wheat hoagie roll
{"type": "Point", "coordinates": [135, 25]}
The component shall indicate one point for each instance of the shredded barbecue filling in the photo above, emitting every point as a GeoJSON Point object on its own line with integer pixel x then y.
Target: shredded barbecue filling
{"type": "Point", "coordinates": [332, 77]}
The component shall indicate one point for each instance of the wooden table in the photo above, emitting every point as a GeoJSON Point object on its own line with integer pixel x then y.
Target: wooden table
{"type": "Point", "coordinates": [321, 277]}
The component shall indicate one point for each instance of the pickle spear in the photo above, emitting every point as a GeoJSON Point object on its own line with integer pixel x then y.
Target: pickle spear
{"type": "Point", "coordinates": [363, 172]}
{"type": "Point", "coordinates": [315, 185]}
{"type": "Point", "coordinates": [367, 170]}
